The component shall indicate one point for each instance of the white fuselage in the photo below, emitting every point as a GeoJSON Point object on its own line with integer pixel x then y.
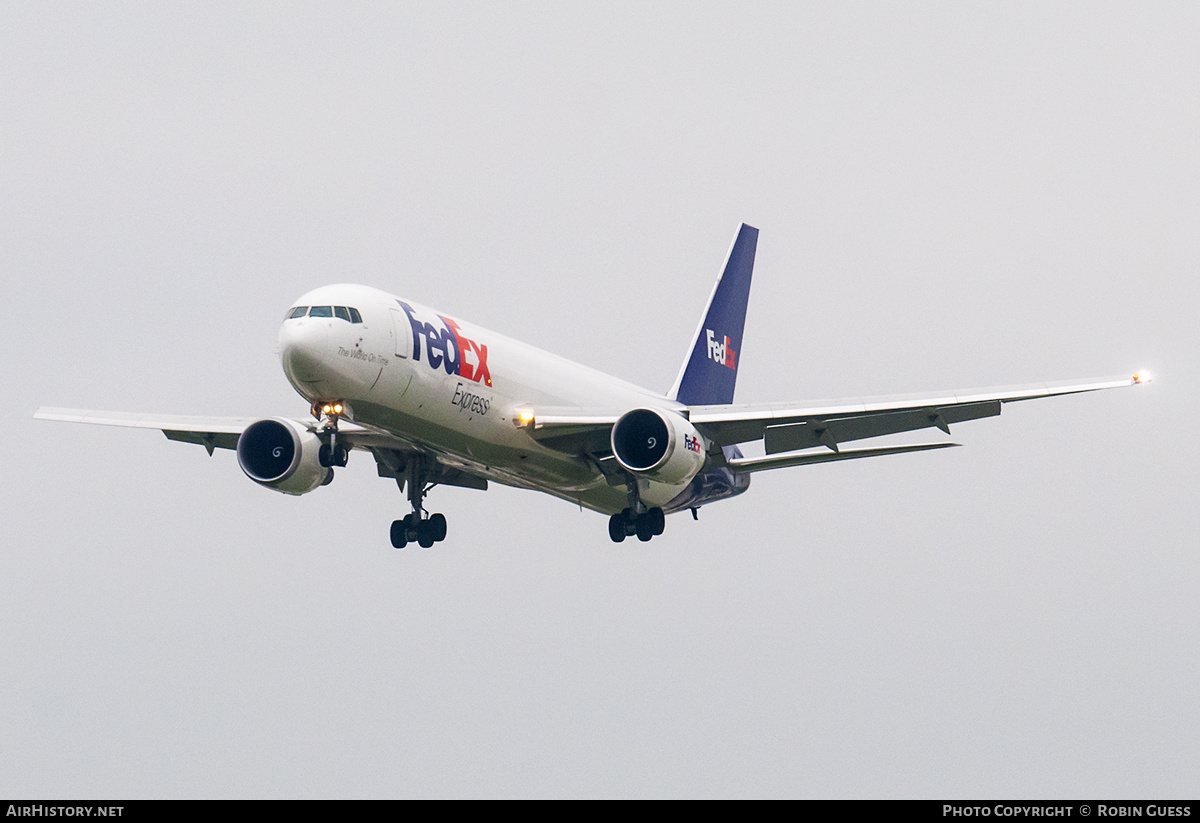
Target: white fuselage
{"type": "Point", "coordinates": [399, 371]}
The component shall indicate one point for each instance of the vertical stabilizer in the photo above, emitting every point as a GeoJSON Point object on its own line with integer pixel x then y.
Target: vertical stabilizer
{"type": "Point", "coordinates": [710, 370]}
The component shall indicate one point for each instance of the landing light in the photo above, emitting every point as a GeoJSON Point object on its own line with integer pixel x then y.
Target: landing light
{"type": "Point", "coordinates": [1142, 377]}
{"type": "Point", "coordinates": [524, 419]}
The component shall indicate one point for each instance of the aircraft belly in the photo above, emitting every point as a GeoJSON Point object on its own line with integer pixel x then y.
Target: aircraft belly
{"type": "Point", "coordinates": [599, 497]}
{"type": "Point", "coordinates": [494, 450]}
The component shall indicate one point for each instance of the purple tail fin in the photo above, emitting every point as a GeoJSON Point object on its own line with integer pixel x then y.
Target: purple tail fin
{"type": "Point", "coordinates": [710, 371]}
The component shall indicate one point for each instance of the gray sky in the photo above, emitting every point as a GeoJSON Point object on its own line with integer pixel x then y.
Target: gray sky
{"type": "Point", "coordinates": [949, 195]}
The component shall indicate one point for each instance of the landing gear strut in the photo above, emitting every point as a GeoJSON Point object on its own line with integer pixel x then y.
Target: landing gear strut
{"type": "Point", "coordinates": [416, 527]}
{"type": "Point", "coordinates": [636, 519]}
{"type": "Point", "coordinates": [332, 453]}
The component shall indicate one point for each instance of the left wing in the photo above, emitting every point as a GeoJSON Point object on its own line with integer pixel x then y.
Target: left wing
{"type": "Point", "coordinates": [785, 428]}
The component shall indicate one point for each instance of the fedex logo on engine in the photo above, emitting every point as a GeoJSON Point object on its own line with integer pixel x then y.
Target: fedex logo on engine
{"type": "Point", "coordinates": [448, 348]}
{"type": "Point", "coordinates": [720, 351]}
{"type": "Point", "coordinates": [692, 444]}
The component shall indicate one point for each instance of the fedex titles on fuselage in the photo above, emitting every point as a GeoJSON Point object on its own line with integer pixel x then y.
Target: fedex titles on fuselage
{"type": "Point", "coordinates": [720, 351]}
{"type": "Point", "coordinates": [447, 348]}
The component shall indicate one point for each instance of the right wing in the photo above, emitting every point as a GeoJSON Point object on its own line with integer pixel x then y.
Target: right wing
{"type": "Point", "coordinates": [210, 432]}
{"type": "Point", "coordinates": [213, 432]}
{"type": "Point", "coordinates": [390, 451]}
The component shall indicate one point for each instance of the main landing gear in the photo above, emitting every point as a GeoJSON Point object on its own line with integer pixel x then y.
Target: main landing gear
{"type": "Point", "coordinates": [636, 519]}
{"type": "Point", "coordinates": [425, 532]}
{"type": "Point", "coordinates": [645, 525]}
{"type": "Point", "coordinates": [416, 527]}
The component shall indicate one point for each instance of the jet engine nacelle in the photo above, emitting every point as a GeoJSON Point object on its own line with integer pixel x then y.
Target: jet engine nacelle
{"type": "Point", "coordinates": [658, 445]}
{"type": "Point", "coordinates": [282, 455]}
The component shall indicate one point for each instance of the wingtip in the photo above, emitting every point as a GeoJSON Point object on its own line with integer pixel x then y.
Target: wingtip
{"type": "Point", "coordinates": [54, 413]}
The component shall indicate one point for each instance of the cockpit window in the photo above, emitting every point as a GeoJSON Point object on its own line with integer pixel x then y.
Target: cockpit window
{"type": "Point", "coordinates": [342, 312]}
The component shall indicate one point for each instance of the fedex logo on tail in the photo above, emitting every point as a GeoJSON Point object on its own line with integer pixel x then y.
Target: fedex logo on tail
{"type": "Point", "coordinates": [448, 348]}
{"type": "Point", "coordinates": [720, 351]}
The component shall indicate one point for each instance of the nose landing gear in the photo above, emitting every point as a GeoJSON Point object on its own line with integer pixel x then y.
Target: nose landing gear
{"type": "Point", "coordinates": [332, 453]}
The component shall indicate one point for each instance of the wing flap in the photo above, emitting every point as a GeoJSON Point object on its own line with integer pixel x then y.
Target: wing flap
{"type": "Point", "coordinates": [831, 431]}
{"type": "Point", "coordinates": [783, 461]}
{"type": "Point", "coordinates": [209, 440]}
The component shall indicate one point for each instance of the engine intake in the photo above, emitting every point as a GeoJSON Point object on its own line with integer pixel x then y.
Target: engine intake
{"type": "Point", "coordinates": [658, 444]}
{"type": "Point", "coordinates": [282, 455]}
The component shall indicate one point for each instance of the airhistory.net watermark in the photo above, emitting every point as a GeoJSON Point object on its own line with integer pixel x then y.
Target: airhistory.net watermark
{"type": "Point", "coordinates": [44, 810]}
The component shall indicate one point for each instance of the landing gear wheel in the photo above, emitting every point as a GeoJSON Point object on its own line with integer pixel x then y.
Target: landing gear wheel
{"type": "Point", "coordinates": [399, 534]}
{"type": "Point", "coordinates": [630, 520]}
{"type": "Point", "coordinates": [636, 519]}
{"type": "Point", "coordinates": [425, 538]}
{"type": "Point", "coordinates": [657, 519]}
{"type": "Point", "coordinates": [616, 527]}
{"type": "Point", "coordinates": [645, 527]}
{"type": "Point", "coordinates": [437, 524]}
{"type": "Point", "coordinates": [328, 457]}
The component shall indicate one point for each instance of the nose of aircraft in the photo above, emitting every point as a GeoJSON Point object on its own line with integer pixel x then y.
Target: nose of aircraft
{"type": "Point", "coordinates": [303, 348]}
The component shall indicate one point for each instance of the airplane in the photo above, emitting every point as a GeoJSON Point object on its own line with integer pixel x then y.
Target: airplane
{"type": "Point", "coordinates": [439, 401]}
